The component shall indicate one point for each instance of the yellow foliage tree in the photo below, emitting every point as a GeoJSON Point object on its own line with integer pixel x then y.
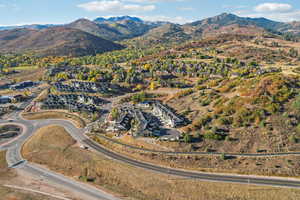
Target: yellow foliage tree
{"type": "Point", "coordinates": [152, 86]}
{"type": "Point", "coordinates": [147, 66]}
{"type": "Point", "coordinates": [139, 87]}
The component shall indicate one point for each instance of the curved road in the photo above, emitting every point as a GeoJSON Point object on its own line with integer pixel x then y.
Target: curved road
{"type": "Point", "coordinates": [14, 158]}
{"type": "Point", "coordinates": [279, 154]}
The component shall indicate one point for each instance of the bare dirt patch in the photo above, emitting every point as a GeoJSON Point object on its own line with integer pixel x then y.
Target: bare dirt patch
{"type": "Point", "coordinates": [12, 194]}
{"type": "Point", "coordinates": [10, 176]}
{"type": "Point", "coordinates": [5, 172]}
{"type": "Point", "coordinates": [78, 121]}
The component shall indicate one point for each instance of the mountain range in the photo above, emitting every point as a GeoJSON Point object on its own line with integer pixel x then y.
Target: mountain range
{"type": "Point", "coordinates": [86, 37]}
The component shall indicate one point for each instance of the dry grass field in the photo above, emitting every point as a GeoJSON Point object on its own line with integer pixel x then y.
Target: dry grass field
{"type": "Point", "coordinates": [12, 194]}
{"type": "Point", "coordinates": [6, 193]}
{"type": "Point", "coordinates": [79, 122]}
{"type": "Point", "coordinates": [131, 182]}
{"type": "Point", "coordinates": [267, 166]}
{"type": "Point", "coordinates": [34, 74]}
{"type": "Point", "coordinates": [5, 172]}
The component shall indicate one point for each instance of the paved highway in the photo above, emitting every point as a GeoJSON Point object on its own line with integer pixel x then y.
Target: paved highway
{"type": "Point", "coordinates": [30, 127]}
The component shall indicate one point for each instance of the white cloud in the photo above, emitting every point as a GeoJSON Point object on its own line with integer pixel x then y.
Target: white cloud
{"type": "Point", "coordinates": [274, 11]}
{"type": "Point", "coordinates": [154, 1]}
{"type": "Point", "coordinates": [234, 7]}
{"type": "Point", "coordinates": [179, 20]}
{"type": "Point", "coordinates": [114, 6]}
{"type": "Point", "coordinates": [186, 8]}
{"type": "Point", "coordinates": [284, 17]}
{"type": "Point", "coordinates": [273, 7]}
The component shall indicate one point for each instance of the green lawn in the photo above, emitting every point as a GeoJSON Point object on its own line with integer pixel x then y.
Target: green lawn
{"type": "Point", "coordinates": [26, 67]}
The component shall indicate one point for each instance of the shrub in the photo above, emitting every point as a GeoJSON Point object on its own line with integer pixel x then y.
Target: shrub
{"type": "Point", "coordinates": [187, 138]}
{"type": "Point", "coordinates": [273, 108]}
{"type": "Point", "coordinates": [298, 128]}
{"type": "Point", "coordinates": [184, 93]}
{"type": "Point", "coordinates": [225, 120]}
{"type": "Point", "coordinates": [205, 102]}
{"type": "Point", "coordinates": [210, 135]}
{"type": "Point", "coordinates": [262, 124]}
{"type": "Point", "coordinates": [223, 156]}
{"type": "Point", "coordinates": [201, 87]}
{"type": "Point", "coordinates": [202, 121]}
{"type": "Point", "coordinates": [140, 97]}
{"type": "Point", "coordinates": [296, 103]}
{"type": "Point", "coordinates": [293, 139]}
{"type": "Point", "coordinates": [114, 113]}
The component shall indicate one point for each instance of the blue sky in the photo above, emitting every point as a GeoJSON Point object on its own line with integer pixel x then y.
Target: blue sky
{"type": "Point", "coordinates": [16, 12]}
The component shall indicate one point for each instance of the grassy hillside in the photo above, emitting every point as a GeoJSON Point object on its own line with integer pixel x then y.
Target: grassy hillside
{"type": "Point", "coordinates": [58, 41]}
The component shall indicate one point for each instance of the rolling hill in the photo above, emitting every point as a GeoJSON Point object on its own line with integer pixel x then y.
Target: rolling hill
{"type": "Point", "coordinates": [100, 30]}
{"type": "Point", "coordinates": [57, 41]}
{"type": "Point", "coordinates": [168, 33]}
{"type": "Point", "coordinates": [128, 27]}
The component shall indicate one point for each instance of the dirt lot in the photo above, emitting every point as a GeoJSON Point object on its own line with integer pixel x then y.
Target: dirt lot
{"type": "Point", "coordinates": [9, 176]}
{"type": "Point", "coordinates": [79, 122]}
{"type": "Point", "coordinates": [12, 194]}
{"type": "Point", "coordinates": [29, 74]}
{"type": "Point", "coordinates": [133, 182]}
{"type": "Point", "coordinates": [5, 172]}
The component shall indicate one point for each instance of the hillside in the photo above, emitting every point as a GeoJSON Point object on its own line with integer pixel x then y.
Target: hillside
{"type": "Point", "coordinates": [168, 33]}
{"type": "Point", "coordinates": [295, 28]}
{"type": "Point", "coordinates": [226, 19]}
{"type": "Point", "coordinates": [127, 27]}
{"type": "Point", "coordinates": [93, 28]}
{"type": "Point", "coordinates": [115, 28]}
{"type": "Point", "coordinates": [58, 41]}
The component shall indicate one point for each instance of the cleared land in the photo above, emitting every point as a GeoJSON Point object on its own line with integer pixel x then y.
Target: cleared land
{"type": "Point", "coordinates": [69, 159]}
{"type": "Point", "coordinates": [12, 194]}
{"type": "Point", "coordinates": [79, 122]}
{"type": "Point", "coordinates": [6, 193]}
{"type": "Point", "coordinates": [5, 172]}
{"type": "Point", "coordinates": [34, 74]}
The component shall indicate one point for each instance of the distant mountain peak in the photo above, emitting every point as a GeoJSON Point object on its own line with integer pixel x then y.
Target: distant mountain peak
{"type": "Point", "coordinates": [136, 19]}
{"type": "Point", "coordinates": [225, 14]}
{"type": "Point", "coordinates": [100, 19]}
{"type": "Point", "coordinates": [81, 20]}
{"type": "Point", "coordinates": [118, 19]}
